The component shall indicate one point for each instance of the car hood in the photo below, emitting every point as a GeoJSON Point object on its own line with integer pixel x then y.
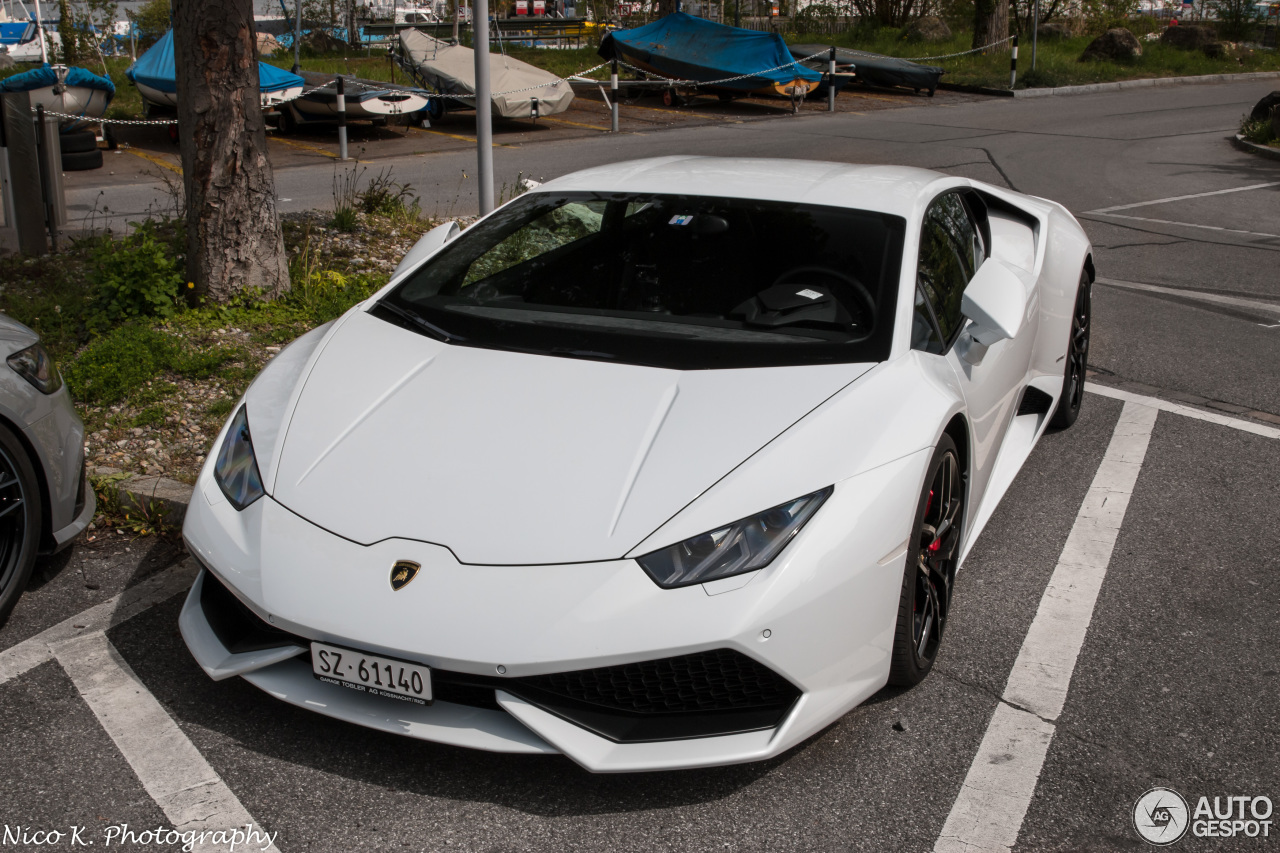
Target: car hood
{"type": "Point", "coordinates": [511, 458]}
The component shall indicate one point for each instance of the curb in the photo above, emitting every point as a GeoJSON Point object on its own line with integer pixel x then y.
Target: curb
{"type": "Point", "coordinates": [1144, 83]}
{"type": "Point", "coordinates": [1254, 148]}
{"type": "Point", "coordinates": [152, 493]}
{"type": "Point", "coordinates": [977, 90]}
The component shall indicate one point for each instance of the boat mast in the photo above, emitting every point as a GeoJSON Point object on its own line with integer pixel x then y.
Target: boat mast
{"type": "Point", "coordinates": [44, 51]}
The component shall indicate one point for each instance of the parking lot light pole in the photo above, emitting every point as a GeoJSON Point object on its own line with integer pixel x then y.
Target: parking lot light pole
{"type": "Point", "coordinates": [484, 107]}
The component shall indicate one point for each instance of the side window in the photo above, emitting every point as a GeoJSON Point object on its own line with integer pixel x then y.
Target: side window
{"type": "Point", "coordinates": [950, 252]}
{"type": "Point", "coordinates": [924, 330]}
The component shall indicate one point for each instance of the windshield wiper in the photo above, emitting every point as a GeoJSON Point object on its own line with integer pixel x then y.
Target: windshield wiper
{"type": "Point", "coordinates": [423, 325]}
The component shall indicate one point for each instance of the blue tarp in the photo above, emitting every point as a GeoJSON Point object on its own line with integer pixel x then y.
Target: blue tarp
{"type": "Point", "coordinates": [44, 76]}
{"type": "Point", "coordinates": [16, 33]}
{"type": "Point", "coordinates": [685, 47]}
{"type": "Point", "coordinates": [155, 68]}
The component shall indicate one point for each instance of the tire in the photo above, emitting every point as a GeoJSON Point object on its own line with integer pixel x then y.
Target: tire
{"type": "Point", "coordinates": [77, 141]}
{"type": "Point", "coordinates": [435, 109]}
{"type": "Point", "coordinates": [81, 161]}
{"type": "Point", "coordinates": [1077, 360]}
{"type": "Point", "coordinates": [20, 518]}
{"type": "Point", "coordinates": [930, 572]}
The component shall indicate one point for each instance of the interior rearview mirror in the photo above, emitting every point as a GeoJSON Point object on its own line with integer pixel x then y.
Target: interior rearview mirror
{"type": "Point", "coordinates": [996, 301]}
{"type": "Point", "coordinates": [427, 244]}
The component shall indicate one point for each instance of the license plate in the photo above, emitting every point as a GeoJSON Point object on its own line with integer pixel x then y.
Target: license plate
{"type": "Point", "coordinates": [379, 676]}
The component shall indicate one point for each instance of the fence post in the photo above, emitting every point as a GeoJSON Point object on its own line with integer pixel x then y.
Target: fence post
{"type": "Point", "coordinates": [342, 120]}
{"type": "Point", "coordinates": [831, 81]}
{"type": "Point", "coordinates": [613, 97]}
{"type": "Point", "coordinates": [1013, 64]}
{"type": "Point", "coordinates": [25, 188]}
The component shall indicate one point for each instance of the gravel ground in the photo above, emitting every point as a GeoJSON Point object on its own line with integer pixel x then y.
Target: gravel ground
{"type": "Point", "coordinates": [188, 413]}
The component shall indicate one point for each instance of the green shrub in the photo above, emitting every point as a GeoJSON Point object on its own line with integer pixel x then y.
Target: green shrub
{"type": "Point", "coordinates": [139, 276]}
{"type": "Point", "coordinates": [202, 365]}
{"type": "Point", "coordinates": [150, 416]}
{"type": "Point", "coordinates": [117, 363]}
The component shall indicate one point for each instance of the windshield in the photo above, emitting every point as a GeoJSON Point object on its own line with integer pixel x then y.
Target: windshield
{"type": "Point", "coordinates": [684, 282]}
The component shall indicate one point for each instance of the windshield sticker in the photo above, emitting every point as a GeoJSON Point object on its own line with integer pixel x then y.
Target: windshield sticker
{"type": "Point", "coordinates": [680, 220]}
{"type": "Point", "coordinates": [808, 294]}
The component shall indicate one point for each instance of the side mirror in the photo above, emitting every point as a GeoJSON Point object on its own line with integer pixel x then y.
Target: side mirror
{"type": "Point", "coordinates": [996, 301]}
{"type": "Point", "coordinates": [427, 244]}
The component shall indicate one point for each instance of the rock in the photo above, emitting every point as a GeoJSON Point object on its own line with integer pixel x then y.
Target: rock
{"type": "Point", "coordinates": [1053, 31]}
{"type": "Point", "coordinates": [1116, 45]}
{"type": "Point", "coordinates": [929, 28]}
{"type": "Point", "coordinates": [267, 44]}
{"type": "Point", "coordinates": [1188, 36]}
{"type": "Point", "coordinates": [1262, 109]}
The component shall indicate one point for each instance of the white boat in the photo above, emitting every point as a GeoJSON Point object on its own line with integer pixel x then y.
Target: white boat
{"type": "Point", "coordinates": [366, 100]}
{"type": "Point", "coordinates": [70, 91]}
{"type": "Point", "coordinates": [155, 77]}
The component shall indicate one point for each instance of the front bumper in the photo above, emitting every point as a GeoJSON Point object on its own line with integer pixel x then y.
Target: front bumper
{"type": "Point", "coordinates": [820, 618]}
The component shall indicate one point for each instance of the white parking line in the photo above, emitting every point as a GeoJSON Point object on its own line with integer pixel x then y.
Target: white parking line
{"type": "Point", "coordinates": [1185, 197]}
{"type": "Point", "coordinates": [162, 586]}
{"type": "Point", "coordinates": [175, 774]}
{"type": "Point", "coordinates": [988, 813]}
{"type": "Point", "coordinates": [1216, 298]}
{"type": "Point", "coordinates": [1186, 411]}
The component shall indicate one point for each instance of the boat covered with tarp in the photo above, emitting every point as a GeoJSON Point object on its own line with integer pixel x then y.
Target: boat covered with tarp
{"type": "Point", "coordinates": [156, 78]}
{"type": "Point", "coordinates": [684, 48]}
{"type": "Point", "coordinates": [70, 91]}
{"type": "Point", "coordinates": [519, 89]}
{"type": "Point", "coordinates": [873, 68]}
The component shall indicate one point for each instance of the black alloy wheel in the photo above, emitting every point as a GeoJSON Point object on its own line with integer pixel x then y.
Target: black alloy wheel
{"type": "Point", "coordinates": [932, 553]}
{"type": "Point", "coordinates": [1077, 360]}
{"type": "Point", "coordinates": [20, 517]}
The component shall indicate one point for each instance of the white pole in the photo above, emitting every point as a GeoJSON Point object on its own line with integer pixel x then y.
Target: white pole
{"type": "Point", "coordinates": [297, 35]}
{"type": "Point", "coordinates": [44, 52]}
{"type": "Point", "coordinates": [484, 107]}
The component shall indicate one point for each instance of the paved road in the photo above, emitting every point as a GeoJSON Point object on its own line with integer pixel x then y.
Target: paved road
{"type": "Point", "coordinates": [1176, 682]}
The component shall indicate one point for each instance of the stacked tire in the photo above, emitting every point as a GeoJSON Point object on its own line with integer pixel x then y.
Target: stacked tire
{"type": "Point", "coordinates": [80, 151]}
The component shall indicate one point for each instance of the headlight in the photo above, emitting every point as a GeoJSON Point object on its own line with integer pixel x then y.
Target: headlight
{"type": "Point", "coordinates": [34, 365]}
{"type": "Point", "coordinates": [236, 469]}
{"type": "Point", "coordinates": [743, 546]}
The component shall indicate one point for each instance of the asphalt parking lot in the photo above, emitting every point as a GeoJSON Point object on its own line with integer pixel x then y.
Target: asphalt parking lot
{"type": "Point", "coordinates": [1177, 676]}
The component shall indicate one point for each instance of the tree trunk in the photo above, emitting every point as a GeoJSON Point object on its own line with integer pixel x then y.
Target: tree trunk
{"type": "Point", "coordinates": [666, 7]}
{"type": "Point", "coordinates": [990, 22]}
{"type": "Point", "coordinates": [234, 241]}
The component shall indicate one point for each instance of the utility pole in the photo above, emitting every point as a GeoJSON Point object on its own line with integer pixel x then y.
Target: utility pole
{"type": "Point", "coordinates": [484, 106]}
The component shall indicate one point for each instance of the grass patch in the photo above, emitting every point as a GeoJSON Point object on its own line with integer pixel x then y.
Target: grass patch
{"type": "Point", "coordinates": [1057, 60]}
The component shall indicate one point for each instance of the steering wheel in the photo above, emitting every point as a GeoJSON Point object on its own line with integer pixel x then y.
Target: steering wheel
{"type": "Point", "coordinates": [860, 293]}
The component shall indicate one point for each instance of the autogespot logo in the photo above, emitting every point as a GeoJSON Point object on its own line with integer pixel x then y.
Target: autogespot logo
{"type": "Point", "coordinates": [1160, 816]}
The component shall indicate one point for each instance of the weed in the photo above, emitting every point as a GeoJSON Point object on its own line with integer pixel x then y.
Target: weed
{"type": "Point", "coordinates": [386, 197]}
{"type": "Point", "coordinates": [117, 363]}
{"type": "Point", "coordinates": [124, 512]}
{"type": "Point", "coordinates": [201, 364]}
{"type": "Point", "coordinates": [150, 416]}
{"type": "Point", "coordinates": [345, 188]}
{"type": "Point", "coordinates": [140, 276]}
{"type": "Point", "coordinates": [220, 409]}
{"type": "Point", "coordinates": [1259, 132]}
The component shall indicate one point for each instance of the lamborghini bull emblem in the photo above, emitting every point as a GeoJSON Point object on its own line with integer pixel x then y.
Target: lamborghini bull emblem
{"type": "Point", "coordinates": [403, 572]}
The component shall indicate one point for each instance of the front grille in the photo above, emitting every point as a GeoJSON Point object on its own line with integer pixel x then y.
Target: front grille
{"type": "Point", "coordinates": [719, 680]}
{"type": "Point", "coordinates": [706, 694]}
{"type": "Point", "coordinates": [235, 625]}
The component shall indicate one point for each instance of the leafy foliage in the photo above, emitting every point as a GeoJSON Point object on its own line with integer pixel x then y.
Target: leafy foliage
{"type": "Point", "coordinates": [140, 276]}
{"type": "Point", "coordinates": [116, 363]}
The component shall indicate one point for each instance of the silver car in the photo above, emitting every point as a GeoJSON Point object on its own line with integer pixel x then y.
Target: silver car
{"type": "Point", "coordinates": [44, 499]}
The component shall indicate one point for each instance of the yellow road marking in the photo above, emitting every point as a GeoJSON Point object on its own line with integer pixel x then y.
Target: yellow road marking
{"type": "Point", "coordinates": [676, 112]}
{"type": "Point", "coordinates": [470, 139]}
{"type": "Point", "coordinates": [154, 158]}
{"type": "Point", "coordinates": [574, 123]}
{"type": "Point", "coordinates": [305, 147]}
